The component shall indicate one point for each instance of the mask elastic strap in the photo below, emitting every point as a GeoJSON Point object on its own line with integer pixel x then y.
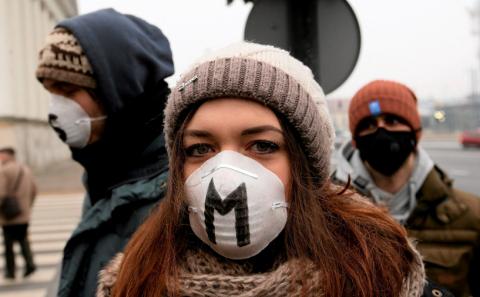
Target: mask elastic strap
{"type": "Point", "coordinates": [101, 118]}
{"type": "Point", "coordinates": [276, 205]}
{"type": "Point", "coordinates": [192, 209]}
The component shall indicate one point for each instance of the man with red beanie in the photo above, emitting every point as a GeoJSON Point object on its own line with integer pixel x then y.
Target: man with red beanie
{"type": "Point", "coordinates": [385, 163]}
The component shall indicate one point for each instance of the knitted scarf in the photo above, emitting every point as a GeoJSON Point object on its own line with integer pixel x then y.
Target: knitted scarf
{"type": "Point", "coordinates": [204, 274]}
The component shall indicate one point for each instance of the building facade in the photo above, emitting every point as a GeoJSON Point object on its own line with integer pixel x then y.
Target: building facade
{"type": "Point", "coordinates": [24, 24]}
{"type": "Point", "coordinates": [339, 112]}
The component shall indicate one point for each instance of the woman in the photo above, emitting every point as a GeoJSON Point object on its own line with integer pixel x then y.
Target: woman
{"type": "Point", "coordinates": [250, 210]}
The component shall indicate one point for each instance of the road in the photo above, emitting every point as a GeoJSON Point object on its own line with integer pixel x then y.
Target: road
{"type": "Point", "coordinates": [463, 165]}
{"type": "Point", "coordinates": [53, 220]}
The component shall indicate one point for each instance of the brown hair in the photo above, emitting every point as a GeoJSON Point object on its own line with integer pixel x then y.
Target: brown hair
{"type": "Point", "coordinates": [359, 248]}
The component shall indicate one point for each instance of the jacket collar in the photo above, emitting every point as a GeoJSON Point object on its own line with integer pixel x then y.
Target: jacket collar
{"type": "Point", "coordinates": [436, 197]}
{"type": "Point", "coordinates": [109, 165]}
{"type": "Point", "coordinates": [142, 191]}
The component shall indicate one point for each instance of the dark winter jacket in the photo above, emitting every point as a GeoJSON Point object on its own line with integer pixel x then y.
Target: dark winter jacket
{"type": "Point", "coordinates": [445, 222]}
{"type": "Point", "coordinates": [125, 171]}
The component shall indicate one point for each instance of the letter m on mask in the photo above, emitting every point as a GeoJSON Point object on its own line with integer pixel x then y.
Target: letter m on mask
{"type": "Point", "coordinates": [237, 200]}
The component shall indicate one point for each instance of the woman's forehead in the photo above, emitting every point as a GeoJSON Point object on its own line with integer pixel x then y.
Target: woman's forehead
{"type": "Point", "coordinates": [228, 112]}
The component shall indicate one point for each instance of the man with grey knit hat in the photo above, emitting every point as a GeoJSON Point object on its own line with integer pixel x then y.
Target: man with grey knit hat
{"type": "Point", "coordinates": [385, 162]}
{"type": "Point", "coordinates": [106, 74]}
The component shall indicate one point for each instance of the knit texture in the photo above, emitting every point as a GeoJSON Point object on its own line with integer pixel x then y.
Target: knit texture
{"type": "Point", "coordinates": [204, 274]}
{"type": "Point", "coordinates": [63, 59]}
{"type": "Point", "coordinates": [392, 97]}
{"type": "Point", "coordinates": [265, 74]}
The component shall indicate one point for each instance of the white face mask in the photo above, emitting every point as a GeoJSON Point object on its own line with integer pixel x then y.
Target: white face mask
{"type": "Point", "coordinates": [70, 121]}
{"type": "Point", "coordinates": [236, 206]}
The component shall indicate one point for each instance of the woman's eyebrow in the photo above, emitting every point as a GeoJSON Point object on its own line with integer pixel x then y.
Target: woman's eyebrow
{"type": "Point", "coordinates": [260, 129]}
{"type": "Point", "coordinates": [197, 133]}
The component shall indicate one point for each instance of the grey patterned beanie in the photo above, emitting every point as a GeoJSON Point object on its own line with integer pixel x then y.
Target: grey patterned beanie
{"type": "Point", "coordinates": [265, 74]}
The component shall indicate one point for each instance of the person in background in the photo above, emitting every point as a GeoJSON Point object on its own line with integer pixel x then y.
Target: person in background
{"type": "Point", "coordinates": [385, 162]}
{"type": "Point", "coordinates": [250, 209]}
{"type": "Point", "coordinates": [16, 182]}
{"type": "Point", "coordinates": [106, 74]}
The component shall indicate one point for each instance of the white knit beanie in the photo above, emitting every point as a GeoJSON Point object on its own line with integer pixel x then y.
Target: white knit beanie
{"type": "Point", "coordinates": [262, 73]}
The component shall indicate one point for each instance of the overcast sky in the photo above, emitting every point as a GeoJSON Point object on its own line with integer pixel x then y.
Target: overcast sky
{"type": "Point", "coordinates": [427, 44]}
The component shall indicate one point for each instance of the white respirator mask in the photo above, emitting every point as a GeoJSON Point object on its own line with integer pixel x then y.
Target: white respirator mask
{"type": "Point", "coordinates": [236, 206]}
{"type": "Point", "coordinates": [70, 121]}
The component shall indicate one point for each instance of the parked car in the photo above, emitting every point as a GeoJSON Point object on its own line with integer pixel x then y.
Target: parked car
{"type": "Point", "coordinates": [470, 138]}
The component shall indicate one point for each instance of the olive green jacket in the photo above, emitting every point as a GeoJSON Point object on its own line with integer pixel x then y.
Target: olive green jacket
{"type": "Point", "coordinates": [446, 224]}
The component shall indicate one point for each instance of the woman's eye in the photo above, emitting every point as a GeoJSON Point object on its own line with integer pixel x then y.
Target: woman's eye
{"type": "Point", "coordinates": [198, 150]}
{"type": "Point", "coordinates": [264, 147]}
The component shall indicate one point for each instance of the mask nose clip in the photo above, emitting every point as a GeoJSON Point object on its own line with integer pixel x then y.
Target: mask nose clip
{"type": "Point", "coordinates": [234, 168]}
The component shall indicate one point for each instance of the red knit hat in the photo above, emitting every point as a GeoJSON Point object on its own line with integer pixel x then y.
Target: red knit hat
{"type": "Point", "coordinates": [383, 96]}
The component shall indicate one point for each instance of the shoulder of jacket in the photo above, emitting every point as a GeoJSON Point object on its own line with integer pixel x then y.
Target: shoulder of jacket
{"type": "Point", "coordinates": [471, 203]}
{"type": "Point", "coordinates": [466, 197]}
{"type": "Point", "coordinates": [451, 204]}
{"type": "Point", "coordinates": [146, 189]}
{"type": "Point", "coordinates": [437, 185]}
{"type": "Point", "coordinates": [465, 201]}
{"type": "Point", "coordinates": [108, 276]}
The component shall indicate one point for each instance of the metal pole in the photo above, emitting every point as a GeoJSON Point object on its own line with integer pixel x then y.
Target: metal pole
{"type": "Point", "coordinates": [302, 18]}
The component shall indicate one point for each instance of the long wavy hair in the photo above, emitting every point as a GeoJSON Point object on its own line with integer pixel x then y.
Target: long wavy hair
{"type": "Point", "coordinates": [360, 250]}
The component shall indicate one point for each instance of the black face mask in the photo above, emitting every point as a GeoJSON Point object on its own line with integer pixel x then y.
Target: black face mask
{"type": "Point", "coordinates": [386, 151]}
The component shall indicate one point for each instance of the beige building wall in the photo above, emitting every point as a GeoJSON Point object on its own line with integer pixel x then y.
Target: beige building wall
{"type": "Point", "coordinates": [24, 24]}
{"type": "Point", "coordinates": [339, 112]}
